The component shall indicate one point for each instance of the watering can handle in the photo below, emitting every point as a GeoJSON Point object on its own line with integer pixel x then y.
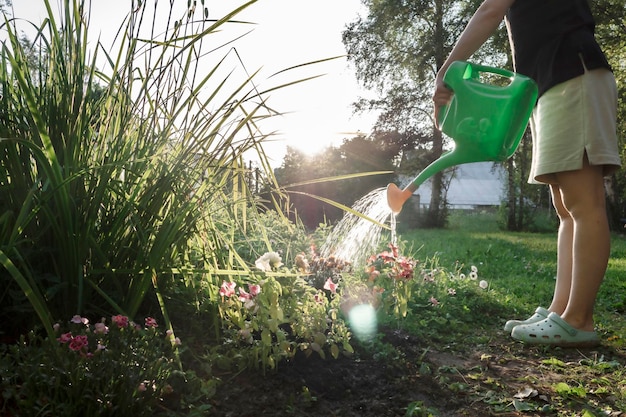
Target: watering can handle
{"type": "Point", "coordinates": [483, 68]}
{"type": "Point", "coordinates": [466, 70]}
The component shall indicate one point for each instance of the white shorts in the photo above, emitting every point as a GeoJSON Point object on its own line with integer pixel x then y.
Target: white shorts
{"type": "Point", "coordinates": [572, 118]}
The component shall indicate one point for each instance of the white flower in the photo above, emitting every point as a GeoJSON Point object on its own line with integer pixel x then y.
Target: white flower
{"type": "Point", "coordinates": [269, 261]}
{"type": "Point", "coordinates": [483, 284]}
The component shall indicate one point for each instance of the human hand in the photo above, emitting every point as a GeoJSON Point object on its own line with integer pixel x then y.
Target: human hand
{"type": "Point", "coordinates": [441, 97]}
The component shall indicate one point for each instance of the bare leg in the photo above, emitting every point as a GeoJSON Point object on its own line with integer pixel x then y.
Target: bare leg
{"type": "Point", "coordinates": [582, 194]}
{"type": "Point", "coordinates": [564, 254]}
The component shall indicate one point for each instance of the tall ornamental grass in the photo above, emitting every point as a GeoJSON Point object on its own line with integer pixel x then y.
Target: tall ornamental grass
{"type": "Point", "coordinates": [120, 177]}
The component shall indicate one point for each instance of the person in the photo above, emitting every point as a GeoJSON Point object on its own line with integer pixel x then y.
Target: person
{"type": "Point", "coordinates": [573, 127]}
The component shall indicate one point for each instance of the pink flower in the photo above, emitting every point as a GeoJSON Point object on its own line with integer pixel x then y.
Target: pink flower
{"type": "Point", "coordinates": [434, 301]}
{"type": "Point", "coordinates": [79, 320]}
{"type": "Point", "coordinates": [65, 338]}
{"type": "Point", "coordinates": [142, 387]}
{"type": "Point", "coordinates": [387, 256]}
{"type": "Point", "coordinates": [227, 289]}
{"type": "Point", "coordinates": [101, 328]}
{"type": "Point", "coordinates": [151, 322]}
{"type": "Point", "coordinates": [120, 321]}
{"type": "Point", "coordinates": [243, 295]}
{"type": "Point", "coordinates": [79, 343]}
{"type": "Point", "coordinates": [405, 268]}
{"type": "Point", "coordinates": [331, 286]}
{"type": "Point", "coordinates": [254, 290]}
{"type": "Point", "coordinates": [169, 335]}
{"type": "Point", "coordinates": [374, 274]}
{"type": "Point", "coordinates": [394, 250]}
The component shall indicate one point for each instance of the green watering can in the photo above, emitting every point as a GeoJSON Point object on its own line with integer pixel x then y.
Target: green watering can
{"type": "Point", "coordinates": [485, 121]}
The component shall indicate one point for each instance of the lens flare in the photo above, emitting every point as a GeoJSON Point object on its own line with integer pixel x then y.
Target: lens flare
{"type": "Point", "coordinates": [363, 321]}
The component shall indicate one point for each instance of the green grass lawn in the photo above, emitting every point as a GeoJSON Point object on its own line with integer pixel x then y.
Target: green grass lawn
{"type": "Point", "coordinates": [520, 267]}
{"type": "Point", "coordinates": [487, 365]}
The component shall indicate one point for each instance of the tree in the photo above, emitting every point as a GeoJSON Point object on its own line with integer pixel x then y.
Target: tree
{"type": "Point", "coordinates": [399, 46]}
{"type": "Point", "coordinates": [298, 174]}
{"type": "Point", "coordinates": [396, 50]}
{"type": "Point", "coordinates": [611, 29]}
{"type": "Point", "coordinates": [5, 5]}
{"type": "Point", "coordinates": [359, 154]}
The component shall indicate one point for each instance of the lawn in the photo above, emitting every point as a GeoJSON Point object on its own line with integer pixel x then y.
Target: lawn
{"type": "Point", "coordinates": [520, 267]}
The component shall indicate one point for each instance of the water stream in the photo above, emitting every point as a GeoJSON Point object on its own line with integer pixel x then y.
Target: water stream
{"type": "Point", "coordinates": [355, 238]}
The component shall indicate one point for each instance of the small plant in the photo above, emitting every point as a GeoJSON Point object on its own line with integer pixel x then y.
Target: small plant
{"type": "Point", "coordinates": [319, 270]}
{"type": "Point", "coordinates": [113, 369]}
{"type": "Point", "coordinates": [272, 317]}
{"type": "Point", "coordinates": [418, 409]}
{"type": "Point", "coordinates": [390, 270]}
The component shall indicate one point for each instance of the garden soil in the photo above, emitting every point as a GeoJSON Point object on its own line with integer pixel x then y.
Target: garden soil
{"type": "Point", "coordinates": [487, 381]}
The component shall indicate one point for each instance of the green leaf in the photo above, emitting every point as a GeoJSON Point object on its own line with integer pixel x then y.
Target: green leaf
{"type": "Point", "coordinates": [320, 339]}
{"type": "Point", "coordinates": [32, 293]}
{"type": "Point", "coordinates": [553, 362]}
{"type": "Point", "coordinates": [266, 337]}
{"type": "Point", "coordinates": [272, 324]}
{"type": "Point", "coordinates": [334, 350]}
{"type": "Point", "coordinates": [523, 406]}
{"type": "Point", "coordinates": [562, 388]}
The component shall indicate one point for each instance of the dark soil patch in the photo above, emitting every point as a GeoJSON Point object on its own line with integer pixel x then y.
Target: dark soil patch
{"type": "Point", "coordinates": [484, 382]}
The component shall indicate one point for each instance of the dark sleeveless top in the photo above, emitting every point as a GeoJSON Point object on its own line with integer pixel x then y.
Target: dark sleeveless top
{"type": "Point", "coordinates": [552, 38]}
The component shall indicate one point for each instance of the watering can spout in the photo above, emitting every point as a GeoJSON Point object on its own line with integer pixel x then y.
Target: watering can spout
{"type": "Point", "coordinates": [397, 197]}
{"type": "Point", "coordinates": [486, 121]}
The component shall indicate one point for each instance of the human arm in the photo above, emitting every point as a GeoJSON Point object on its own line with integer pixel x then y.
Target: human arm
{"type": "Point", "coordinates": [481, 26]}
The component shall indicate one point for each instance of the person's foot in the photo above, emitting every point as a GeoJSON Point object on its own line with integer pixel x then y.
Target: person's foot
{"type": "Point", "coordinates": [540, 314]}
{"type": "Point", "coordinates": [555, 331]}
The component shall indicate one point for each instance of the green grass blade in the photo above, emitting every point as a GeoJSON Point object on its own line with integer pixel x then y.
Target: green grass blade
{"type": "Point", "coordinates": [31, 292]}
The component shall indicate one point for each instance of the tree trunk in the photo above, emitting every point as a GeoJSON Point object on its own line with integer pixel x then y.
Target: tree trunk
{"type": "Point", "coordinates": [436, 212]}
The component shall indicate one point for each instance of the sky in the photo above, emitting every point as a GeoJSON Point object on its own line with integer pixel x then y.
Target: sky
{"type": "Point", "coordinates": [285, 33]}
